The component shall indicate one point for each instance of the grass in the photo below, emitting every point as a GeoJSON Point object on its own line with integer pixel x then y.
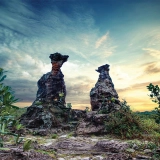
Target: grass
{"type": "Point", "coordinates": [70, 135]}
{"type": "Point", "coordinates": [54, 136]}
{"type": "Point", "coordinates": [49, 153]}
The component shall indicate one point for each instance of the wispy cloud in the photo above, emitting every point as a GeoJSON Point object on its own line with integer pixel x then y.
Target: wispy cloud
{"type": "Point", "coordinates": [101, 40]}
{"type": "Point", "coordinates": [153, 52]}
{"type": "Point", "coordinates": [137, 96]}
{"type": "Point", "coordinates": [152, 68]}
{"type": "Point", "coordinates": [36, 29]}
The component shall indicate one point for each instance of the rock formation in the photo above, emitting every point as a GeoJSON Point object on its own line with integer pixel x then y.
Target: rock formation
{"type": "Point", "coordinates": [49, 106]}
{"type": "Point", "coordinates": [51, 86]}
{"type": "Point", "coordinates": [103, 96]}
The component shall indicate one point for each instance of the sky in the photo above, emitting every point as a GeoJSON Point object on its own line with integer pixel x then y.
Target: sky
{"type": "Point", "coordinates": [122, 33]}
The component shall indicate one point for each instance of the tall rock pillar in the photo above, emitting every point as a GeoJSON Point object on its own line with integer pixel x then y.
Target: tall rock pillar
{"type": "Point", "coordinates": [103, 96]}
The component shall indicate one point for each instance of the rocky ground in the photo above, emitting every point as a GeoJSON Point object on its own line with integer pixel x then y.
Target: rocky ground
{"type": "Point", "coordinates": [66, 146]}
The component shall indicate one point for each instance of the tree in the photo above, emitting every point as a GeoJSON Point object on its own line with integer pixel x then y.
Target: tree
{"type": "Point", "coordinates": [155, 96]}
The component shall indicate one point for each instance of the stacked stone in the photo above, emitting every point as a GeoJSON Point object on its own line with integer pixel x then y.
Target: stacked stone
{"type": "Point", "coordinates": [103, 95]}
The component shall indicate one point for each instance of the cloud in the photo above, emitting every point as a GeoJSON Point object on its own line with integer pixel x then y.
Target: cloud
{"type": "Point", "coordinates": [15, 20]}
{"type": "Point", "coordinates": [137, 86]}
{"type": "Point", "coordinates": [137, 96]}
{"type": "Point", "coordinates": [152, 69]}
{"type": "Point", "coordinates": [24, 89]}
{"type": "Point", "coordinates": [101, 40]}
{"type": "Point", "coordinates": [44, 33]}
{"type": "Point", "coordinates": [152, 52]}
{"type": "Point", "coordinates": [24, 66]}
{"type": "Point", "coordinates": [3, 60]}
{"type": "Point", "coordinates": [35, 30]}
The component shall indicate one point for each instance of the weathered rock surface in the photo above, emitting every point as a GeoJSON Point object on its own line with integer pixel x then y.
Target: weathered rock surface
{"type": "Point", "coordinates": [50, 98]}
{"type": "Point", "coordinates": [76, 114]}
{"type": "Point", "coordinates": [85, 146]}
{"type": "Point", "coordinates": [103, 96]}
{"type": "Point", "coordinates": [111, 146]}
{"type": "Point", "coordinates": [87, 128]}
{"type": "Point", "coordinates": [43, 117]}
{"type": "Point", "coordinates": [77, 148]}
{"type": "Point", "coordinates": [93, 123]}
{"type": "Point", "coordinates": [18, 154]}
{"type": "Point", "coordinates": [52, 84]}
{"type": "Point", "coordinates": [38, 117]}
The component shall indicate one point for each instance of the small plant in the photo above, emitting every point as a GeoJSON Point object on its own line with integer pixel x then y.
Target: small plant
{"type": "Point", "coordinates": [70, 135]}
{"type": "Point", "coordinates": [87, 109]}
{"type": "Point", "coordinates": [27, 145]}
{"type": "Point", "coordinates": [9, 122]}
{"type": "Point", "coordinates": [113, 99]}
{"type": "Point", "coordinates": [54, 136]}
{"type": "Point", "coordinates": [38, 103]}
{"type": "Point", "coordinates": [69, 105]}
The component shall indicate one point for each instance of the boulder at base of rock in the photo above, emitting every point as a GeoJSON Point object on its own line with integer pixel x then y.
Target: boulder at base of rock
{"type": "Point", "coordinates": [37, 117]}
{"type": "Point", "coordinates": [93, 123]}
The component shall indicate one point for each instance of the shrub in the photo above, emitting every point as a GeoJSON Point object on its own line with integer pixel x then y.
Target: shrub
{"type": "Point", "coordinates": [7, 97]}
{"type": "Point", "coordinates": [149, 126]}
{"type": "Point", "coordinates": [124, 122]}
{"type": "Point", "coordinates": [7, 109]}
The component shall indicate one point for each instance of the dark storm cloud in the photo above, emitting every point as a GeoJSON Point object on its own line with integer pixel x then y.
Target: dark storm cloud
{"type": "Point", "coordinates": [25, 90]}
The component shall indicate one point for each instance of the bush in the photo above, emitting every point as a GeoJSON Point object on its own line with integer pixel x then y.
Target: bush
{"type": "Point", "coordinates": [149, 126]}
{"type": "Point", "coordinates": [8, 122]}
{"type": "Point", "coordinates": [124, 123]}
{"type": "Point", "coordinates": [7, 97]}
